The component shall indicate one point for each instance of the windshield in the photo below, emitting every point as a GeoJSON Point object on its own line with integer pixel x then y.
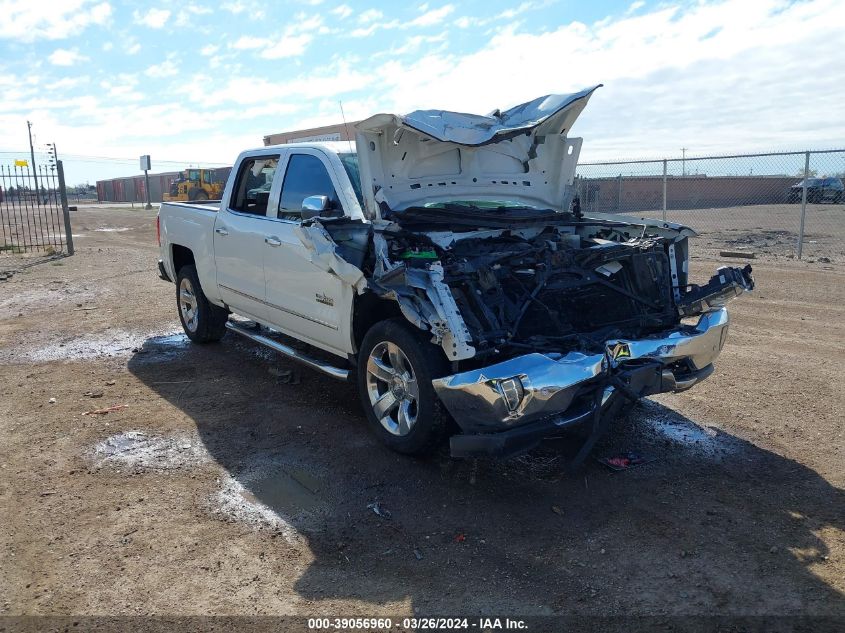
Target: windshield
{"type": "Point", "coordinates": [350, 164]}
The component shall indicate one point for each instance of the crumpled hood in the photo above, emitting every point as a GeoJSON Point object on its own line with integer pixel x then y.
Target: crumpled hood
{"type": "Point", "coordinates": [522, 155]}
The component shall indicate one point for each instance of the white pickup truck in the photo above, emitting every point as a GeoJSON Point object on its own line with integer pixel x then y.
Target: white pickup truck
{"type": "Point", "coordinates": [444, 263]}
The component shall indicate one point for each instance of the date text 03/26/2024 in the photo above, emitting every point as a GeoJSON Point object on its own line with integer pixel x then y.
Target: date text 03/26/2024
{"type": "Point", "coordinates": [416, 624]}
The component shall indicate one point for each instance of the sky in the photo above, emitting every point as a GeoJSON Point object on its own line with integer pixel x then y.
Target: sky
{"type": "Point", "coordinates": [196, 81]}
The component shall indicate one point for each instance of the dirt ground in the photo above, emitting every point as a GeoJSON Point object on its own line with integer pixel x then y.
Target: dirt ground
{"type": "Point", "coordinates": [234, 482]}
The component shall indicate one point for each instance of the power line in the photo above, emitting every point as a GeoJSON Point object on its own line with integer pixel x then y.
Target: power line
{"type": "Point", "coordinates": [89, 158]}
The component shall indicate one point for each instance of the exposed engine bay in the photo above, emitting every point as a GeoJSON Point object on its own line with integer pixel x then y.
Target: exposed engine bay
{"type": "Point", "coordinates": [549, 289]}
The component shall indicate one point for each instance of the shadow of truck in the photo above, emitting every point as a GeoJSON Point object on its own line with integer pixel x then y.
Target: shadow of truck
{"type": "Point", "coordinates": [716, 525]}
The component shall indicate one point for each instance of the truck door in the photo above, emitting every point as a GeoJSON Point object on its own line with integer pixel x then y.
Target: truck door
{"type": "Point", "coordinates": [240, 232]}
{"type": "Point", "coordinates": [304, 300]}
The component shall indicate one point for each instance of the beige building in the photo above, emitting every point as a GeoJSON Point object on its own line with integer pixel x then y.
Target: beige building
{"type": "Point", "coordinates": [337, 132]}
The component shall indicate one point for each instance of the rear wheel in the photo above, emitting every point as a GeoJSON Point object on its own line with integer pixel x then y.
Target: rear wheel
{"type": "Point", "coordinates": [395, 368]}
{"type": "Point", "coordinates": [202, 321]}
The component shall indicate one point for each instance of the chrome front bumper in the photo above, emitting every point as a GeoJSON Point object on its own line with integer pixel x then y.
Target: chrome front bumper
{"type": "Point", "coordinates": [535, 386]}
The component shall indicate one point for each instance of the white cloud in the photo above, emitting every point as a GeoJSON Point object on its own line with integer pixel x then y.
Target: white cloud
{"type": "Point", "coordinates": [342, 11]}
{"type": "Point", "coordinates": [435, 16]}
{"type": "Point", "coordinates": [29, 21]}
{"type": "Point", "coordinates": [710, 73]}
{"type": "Point", "coordinates": [122, 87]}
{"type": "Point", "coordinates": [132, 47]}
{"type": "Point", "coordinates": [107, 46]}
{"type": "Point", "coordinates": [287, 46]}
{"type": "Point", "coordinates": [293, 42]}
{"type": "Point", "coordinates": [66, 57]}
{"type": "Point", "coordinates": [370, 15]}
{"type": "Point", "coordinates": [638, 4]}
{"type": "Point", "coordinates": [154, 18]}
{"type": "Point", "coordinates": [166, 68]}
{"type": "Point", "coordinates": [67, 83]}
{"type": "Point", "coordinates": [187, 14]}
{"type": "Point", "coordinates": [248, 42]}
{"type": "Point", "coordinates": [238, 6]}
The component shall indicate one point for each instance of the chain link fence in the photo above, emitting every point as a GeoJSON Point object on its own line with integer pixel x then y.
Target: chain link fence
{"type": "Point", "coordinates": [784, 204]}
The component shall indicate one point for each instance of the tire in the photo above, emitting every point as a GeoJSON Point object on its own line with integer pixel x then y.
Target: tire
{"type": "Point", "coordinates": [202, 321]}
{"type": "Point", "coordinates": [396, 364]}
{"type": "Point", "coordinates": [201, 195]}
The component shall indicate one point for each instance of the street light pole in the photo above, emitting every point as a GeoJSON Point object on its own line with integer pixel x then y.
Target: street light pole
{"type": "Point", "coordinates": [34, 172]}
{"type": "Point", "coordinates": [683, 161]}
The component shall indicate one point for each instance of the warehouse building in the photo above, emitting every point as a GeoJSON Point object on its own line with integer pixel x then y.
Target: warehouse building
{"type": "Point", "coordinates": [132, 188]}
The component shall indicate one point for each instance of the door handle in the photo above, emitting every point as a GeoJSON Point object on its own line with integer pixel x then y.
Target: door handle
{"type": "Point", "coordinates": [272, 240]}
{"type": "Point", "coordinates": [221, 230]}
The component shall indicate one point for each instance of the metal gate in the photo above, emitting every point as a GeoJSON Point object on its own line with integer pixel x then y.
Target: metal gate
{"type": "Point", "coordinates": [33, 210]}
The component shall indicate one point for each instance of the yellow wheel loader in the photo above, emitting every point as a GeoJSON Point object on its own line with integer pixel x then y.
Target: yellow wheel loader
{"type": "Point", "coordinates": [194, 185]}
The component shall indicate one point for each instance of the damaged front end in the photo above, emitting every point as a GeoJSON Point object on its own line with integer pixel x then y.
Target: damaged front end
{"type": "Point", "coordinates": [550, 319]}
{"type": "Point", "coordinates": [553, 324]}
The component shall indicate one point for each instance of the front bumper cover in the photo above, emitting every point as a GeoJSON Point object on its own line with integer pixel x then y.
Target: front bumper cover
{"type": "Point", "coordinates": [532, 388]}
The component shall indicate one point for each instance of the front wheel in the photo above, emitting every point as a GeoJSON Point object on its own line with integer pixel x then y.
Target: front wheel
{"type": "Point", "coordinates": [202, 321]}
{"type": "Point", "coordinates": [396, 365]}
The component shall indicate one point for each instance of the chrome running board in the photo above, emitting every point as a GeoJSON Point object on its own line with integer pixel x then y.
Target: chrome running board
{"type": "Point", "coordinates": [286, 350]}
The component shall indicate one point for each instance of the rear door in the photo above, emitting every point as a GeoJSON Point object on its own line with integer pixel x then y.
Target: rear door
{"type": "Point", "coordinates": [303, 299]}
{"type": "Point", "coordinates": [240, 232]}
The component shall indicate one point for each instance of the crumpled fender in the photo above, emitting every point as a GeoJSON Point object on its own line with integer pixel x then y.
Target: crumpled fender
{"type": "Point", "coordinates": [323, 254]}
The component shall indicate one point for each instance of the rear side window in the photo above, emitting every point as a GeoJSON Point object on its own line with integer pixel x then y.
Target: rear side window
{"type": "Point", "coordinates": [252, 189]}
{"type": "Point", "coordinates": [305, 176]}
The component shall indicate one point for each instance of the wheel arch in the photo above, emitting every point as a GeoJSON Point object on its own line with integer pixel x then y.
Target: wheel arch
{"type": "Point", "coordinates": [181, 256]}
{"type": "Point", "coordinates": [367, 310]}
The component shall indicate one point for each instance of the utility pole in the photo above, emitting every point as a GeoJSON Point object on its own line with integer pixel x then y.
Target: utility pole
{"type": "Point", "coordinates": [146, 166]}
{"type": "Point", "coordinates": [34, 172]}
{"type": "Point", "coordinates": [684, 161]}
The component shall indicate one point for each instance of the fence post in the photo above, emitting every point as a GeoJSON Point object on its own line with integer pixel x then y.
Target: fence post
{"type": "Point", "coordinates": [803, 203]}
{"type": "Point", "coordinates": [65, 211]}
{"type": "Point", "coordinates": [664, 189]}
{"type": "Point", "coordinates": [619, 196]}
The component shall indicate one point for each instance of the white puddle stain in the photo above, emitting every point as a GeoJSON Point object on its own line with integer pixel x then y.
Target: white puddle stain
{"type": "Point", "coordinates": [109, 344]}
{"type": "Point", "coordinates": [265, 493]}
{"type": "Point", "coordinates": [681, 431]}
{"type": "Point", "coordinates": [138, 450]}
{"type": "Point", "coordinates": [270, 494]}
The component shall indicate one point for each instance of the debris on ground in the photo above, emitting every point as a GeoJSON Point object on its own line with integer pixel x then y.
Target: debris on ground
{"type": "Point", "coordinates": [52, 401]}
{"type": "Point", "coordinates": [624, 461]}
{"type": "Point", "coordinates": [557, 510]}
{"type": "Point", "coordinates": [93, 394]}
{"type": "Point", "coordinates": [376, 507]}
{"type": "Point", "coordinates": [460, 537]}
{"type": "Point", "coordinates": [418, 554]}
{"type": "Point", "coordinates": [286, 376]}
{"type": "Point", "coordinates": [116, 407]}
{"type": "Point", "coordinates": [110, 383]}
{"type": "Point", "coordinates": [741, 254]}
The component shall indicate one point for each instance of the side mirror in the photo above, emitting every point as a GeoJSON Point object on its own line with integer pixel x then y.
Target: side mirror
{"type": "Point", "coordinates": [317, 204]}
{"type": "Point", "coordinates": [314, 206]}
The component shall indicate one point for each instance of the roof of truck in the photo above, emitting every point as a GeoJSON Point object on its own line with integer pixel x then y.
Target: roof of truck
{"type": "Point", "coordinates": [336, 147]}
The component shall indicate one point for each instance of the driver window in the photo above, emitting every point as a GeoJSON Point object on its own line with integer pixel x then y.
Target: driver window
{"type": "Point", "coordinates": [305, 176]}
{"type": "Point", "coordinates": [255, 179]}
